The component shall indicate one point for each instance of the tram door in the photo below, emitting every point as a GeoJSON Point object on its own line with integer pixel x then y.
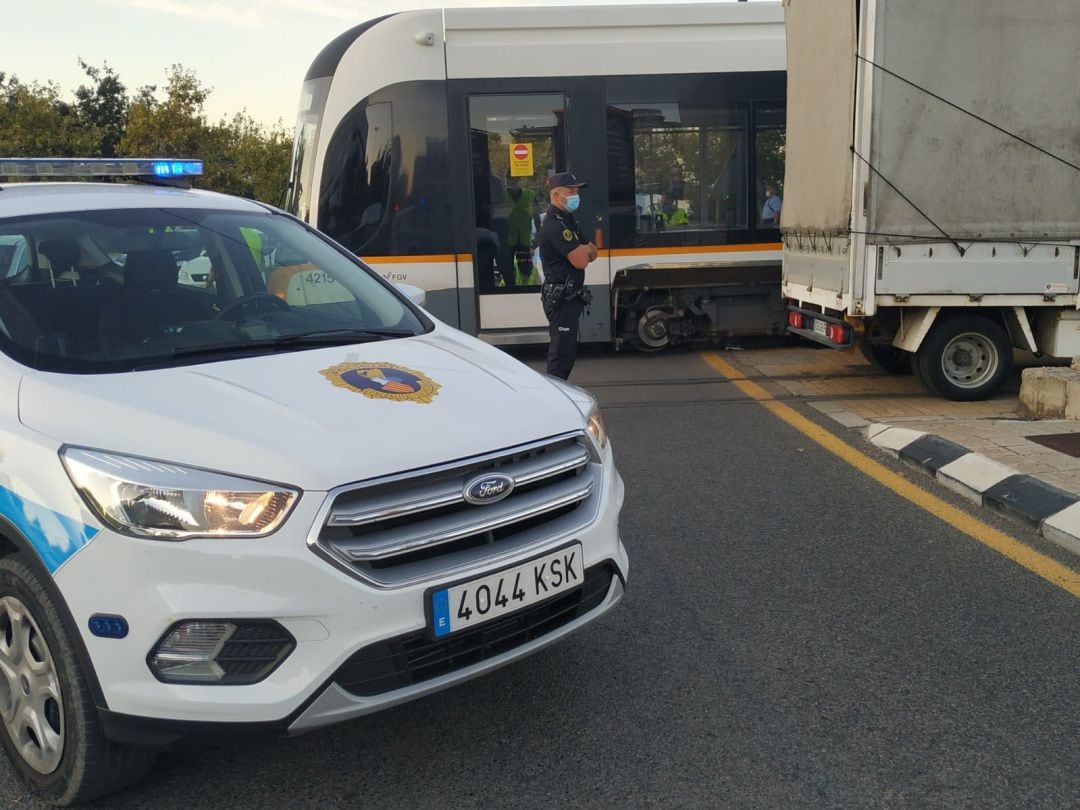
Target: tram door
{"type": "Point", "coordinates": [508, 136]}
{"type": "Point", "coordinates": [516, 142]}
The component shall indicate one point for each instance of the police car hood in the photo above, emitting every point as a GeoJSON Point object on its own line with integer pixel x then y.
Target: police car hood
{"type": "Point", "coordinates": [297, 418]}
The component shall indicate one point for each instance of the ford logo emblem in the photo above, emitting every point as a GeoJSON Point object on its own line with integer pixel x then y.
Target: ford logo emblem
{"type": "Point", "coordinates": [488, 488]}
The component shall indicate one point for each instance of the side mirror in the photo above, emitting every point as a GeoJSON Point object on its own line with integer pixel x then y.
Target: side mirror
{"type": "Point", "coordinates": [414, 294]}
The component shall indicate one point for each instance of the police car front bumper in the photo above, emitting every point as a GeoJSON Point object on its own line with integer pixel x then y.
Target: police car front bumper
{"type": "Point", "coordinates": [332, 617]}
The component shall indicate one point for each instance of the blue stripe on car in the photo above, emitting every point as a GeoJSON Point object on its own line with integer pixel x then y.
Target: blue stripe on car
{"type": "Point", "coordinates": [55, 537]}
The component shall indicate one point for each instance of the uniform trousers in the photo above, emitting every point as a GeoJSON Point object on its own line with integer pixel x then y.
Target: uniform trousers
{"type": "Point", "coordinates": [563, 331]}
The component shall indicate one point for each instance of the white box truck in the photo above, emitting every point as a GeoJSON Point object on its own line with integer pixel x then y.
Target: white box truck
{"type": "Point", "coordinates": [931, 204]}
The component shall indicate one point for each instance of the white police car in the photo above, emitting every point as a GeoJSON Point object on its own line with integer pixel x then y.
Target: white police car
{"type": "Point", "coordinates": [253, 501]}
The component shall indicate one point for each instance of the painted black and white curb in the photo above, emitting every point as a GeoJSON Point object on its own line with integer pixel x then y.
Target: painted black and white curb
{"type": "Point", "coordinates": [1053, 512]}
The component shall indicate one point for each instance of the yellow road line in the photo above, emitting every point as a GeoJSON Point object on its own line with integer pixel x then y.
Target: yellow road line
{"type": "Point", "coordinates": [1039, 564]}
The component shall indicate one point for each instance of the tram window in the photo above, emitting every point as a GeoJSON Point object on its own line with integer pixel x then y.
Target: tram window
{"type": "Point", "coordinates": [355, 192]}
{"type": "Point", "coordinates": [312, 104]}
{"type": "Point", "coordinates": [510, 193]}
{"type": "Point", "coordinates": [769, 144]}
{"type": "Point", "coordinates": [676, 170]}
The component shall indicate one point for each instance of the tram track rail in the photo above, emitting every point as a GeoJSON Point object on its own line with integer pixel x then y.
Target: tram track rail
{"type": "Point", "coordinates": [719, 391]}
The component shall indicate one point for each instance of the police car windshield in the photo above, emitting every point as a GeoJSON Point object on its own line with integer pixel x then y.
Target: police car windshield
{"type": "Point", "coordinates": [115, 290]}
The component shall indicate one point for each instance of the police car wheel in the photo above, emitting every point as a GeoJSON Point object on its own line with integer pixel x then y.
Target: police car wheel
{"type": "Point", "coordinates": [51, 732]}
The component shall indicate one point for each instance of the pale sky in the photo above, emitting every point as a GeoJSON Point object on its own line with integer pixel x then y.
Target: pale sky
{"type": "Point", "coordinates": [253, 53]}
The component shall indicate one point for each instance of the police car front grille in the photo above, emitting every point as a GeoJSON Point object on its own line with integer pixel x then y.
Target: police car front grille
{"type": "Point", "coordinates": [410, 528]}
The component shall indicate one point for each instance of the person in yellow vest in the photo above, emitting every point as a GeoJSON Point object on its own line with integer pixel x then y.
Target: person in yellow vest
{"type": "Point", "coordinates": [677, 216]}
{"type": "Point", "coordinates": [254, 243]}
{"type": "Point", "coordinates": [522, 222]}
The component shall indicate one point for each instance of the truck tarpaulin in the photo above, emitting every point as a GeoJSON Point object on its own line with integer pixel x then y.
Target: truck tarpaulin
{"type": "Point", "coordinates": [1015, 65]}
{"type": "Point", "coordinates": [820, 76]}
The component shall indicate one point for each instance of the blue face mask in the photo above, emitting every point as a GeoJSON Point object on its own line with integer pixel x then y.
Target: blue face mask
{"type": "Point", "coordinates": [572, 203]}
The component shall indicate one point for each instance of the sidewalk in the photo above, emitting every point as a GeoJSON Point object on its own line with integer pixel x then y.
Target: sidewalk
{"type": "Point", "coordinates": [995, 464]}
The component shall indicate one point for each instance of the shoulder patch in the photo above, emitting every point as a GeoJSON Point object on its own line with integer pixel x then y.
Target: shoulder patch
{"type": "Point", "coordinates": [567, 234]}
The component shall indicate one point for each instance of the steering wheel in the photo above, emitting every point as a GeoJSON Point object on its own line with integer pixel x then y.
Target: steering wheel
{"type": "Point", "coordinates": [253, 300]}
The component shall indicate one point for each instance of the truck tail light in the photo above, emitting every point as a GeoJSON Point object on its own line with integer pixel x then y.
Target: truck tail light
{"type": "Point", "coordinates": [837, 333]}
{"type": "Point", "coordinates": [796, 320]}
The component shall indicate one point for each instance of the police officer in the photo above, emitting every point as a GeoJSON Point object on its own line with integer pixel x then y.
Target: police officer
{"type": "Point", "coordinates": [564, 254]}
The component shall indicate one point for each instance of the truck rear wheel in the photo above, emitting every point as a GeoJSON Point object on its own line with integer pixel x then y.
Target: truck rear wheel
{"type": "Point", "coordinates": [965, 358]}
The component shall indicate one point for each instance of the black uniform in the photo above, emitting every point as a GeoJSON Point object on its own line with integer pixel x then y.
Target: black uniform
{"type": "Point", "coordinates": [563, 292]}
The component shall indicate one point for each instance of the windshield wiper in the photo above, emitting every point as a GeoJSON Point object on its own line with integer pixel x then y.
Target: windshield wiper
{"type": "Point", "coordinates": [333, 337]}
{"type": "Point", "coordinates": [325, 337]}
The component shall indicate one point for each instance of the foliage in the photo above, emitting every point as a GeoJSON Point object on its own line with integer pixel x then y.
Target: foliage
{"type": "Point", "coordinates": [103, 105]}
{"type": "Point", "coordinates": [240, 155]}
{"type": "Point", "coordinates": [34, 120]}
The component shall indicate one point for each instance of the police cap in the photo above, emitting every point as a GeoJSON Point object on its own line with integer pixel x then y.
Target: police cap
{"type": "Point", "coordinates": [564, 180]}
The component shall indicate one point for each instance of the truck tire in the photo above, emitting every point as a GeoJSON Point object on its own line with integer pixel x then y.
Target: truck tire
{"type": "Point", "coordinates": [51, 731]}
{"type": "Point", "coordinates": [890, 358]}
{"type": "Point", "coordinates": [965, 358]}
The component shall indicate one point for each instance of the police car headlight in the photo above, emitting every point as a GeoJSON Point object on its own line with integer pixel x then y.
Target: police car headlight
{"type": "Point", "coordinates": [586, 403]}
{"type": "Point", "coordinates": [156, 499]}
{"type": "Point", "coordinates": [595, 426]}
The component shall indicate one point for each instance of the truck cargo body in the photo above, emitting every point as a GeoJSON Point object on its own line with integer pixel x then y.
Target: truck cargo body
{"type": "Point", "coordinates": [930, 210]}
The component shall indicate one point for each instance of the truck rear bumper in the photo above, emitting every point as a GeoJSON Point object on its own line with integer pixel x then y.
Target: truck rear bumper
{"type": "Point", "coordinates": [824, 329]}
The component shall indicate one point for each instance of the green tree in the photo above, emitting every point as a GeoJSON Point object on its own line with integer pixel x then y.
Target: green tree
{"type": "Point", "coordinates": [245, 158]}
{"type": "Point", "coordinates": [36, 122]}
{"type": "Point", "coordinates": [175, 127]}
{"type": "Point", "coordinates": [240, 156]}
{"type": "Point", "coordinates": [103, 104]}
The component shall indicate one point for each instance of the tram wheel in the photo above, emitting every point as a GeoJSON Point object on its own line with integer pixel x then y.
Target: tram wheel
{"type": "Point", "coordinates": [652, 331]}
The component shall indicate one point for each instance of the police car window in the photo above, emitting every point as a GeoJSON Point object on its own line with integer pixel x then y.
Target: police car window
{"type": "Point", "coordinates": [14, 256]}
{"type": "Point", "coordinates": [677, 171]}
{"type": "Point", "coordinates": [116, 290]}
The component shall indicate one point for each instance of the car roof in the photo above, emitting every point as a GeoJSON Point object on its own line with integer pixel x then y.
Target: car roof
{"type": "Point", "coordinates": [23, 199]}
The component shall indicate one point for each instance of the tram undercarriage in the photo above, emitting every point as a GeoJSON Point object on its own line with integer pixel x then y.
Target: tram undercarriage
{"type": "Point", "coordinates": [657, 307]}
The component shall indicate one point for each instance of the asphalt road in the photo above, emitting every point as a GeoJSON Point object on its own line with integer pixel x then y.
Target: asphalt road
{"type": "Point", "coordinates": [794, 635]}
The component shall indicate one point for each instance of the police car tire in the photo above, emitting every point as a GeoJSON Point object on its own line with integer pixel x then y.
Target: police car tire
{"type": "Point", "coordinates": [90, 765]}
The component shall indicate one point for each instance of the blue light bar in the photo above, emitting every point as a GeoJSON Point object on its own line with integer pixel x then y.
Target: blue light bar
{"type": "Point", "coordinates": [100, 167]}
{"type": "Point", "coordinates": [177, 168]}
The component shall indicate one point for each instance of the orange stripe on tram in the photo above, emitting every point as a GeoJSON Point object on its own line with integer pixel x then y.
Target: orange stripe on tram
{"type": "Point", "coordinates": [688, 249]}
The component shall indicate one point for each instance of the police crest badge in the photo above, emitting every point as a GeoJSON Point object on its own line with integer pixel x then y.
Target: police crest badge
{"type": "Point", "coordinates": [383, 381]}
{"type": "Point", "coordinates": [567, 234]}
